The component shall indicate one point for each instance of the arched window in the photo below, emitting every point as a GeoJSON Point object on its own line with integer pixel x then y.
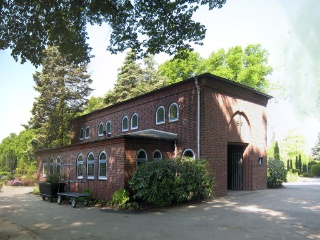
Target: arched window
{"type": "Point", "coordinates": [173, 112]}
{"type": "Point", "coordinates": [160, 115]}
{"type": "Point", "coordinates": [81, 134]}
{"type": "Point", "coordinates": [45, 168]}
{"type": "Point", "coordinates": [90, 166]}
{"type": "Point", "coordinates": [80, 166]}
{"type": "Point", "coordinates": [100, 129]}
{"type": "Point", "coordinates": [157, 155]}
{"type": "Point", "coordinates": [58, 165]}
{"type": "Point", "coordinates": [103, 166]}
{"type": "Point", "coordinates": [188, 153]}
{"type": "Point", "coordinates": [87, 132]}
{"type": "Point", "coordinates": [51, 166]}
{"type": "Point", "coordinates": [141, 157]}
{"type": "Point", "coordinates": [108, 127]}
{"type": "Point", "coordinates": [125, 124]}
{"type": "Point", "coordinates": [134, 121]}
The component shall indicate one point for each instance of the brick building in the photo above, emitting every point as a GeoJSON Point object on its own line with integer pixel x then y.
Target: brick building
{"type": "Point", "coordinates": [206, 116]}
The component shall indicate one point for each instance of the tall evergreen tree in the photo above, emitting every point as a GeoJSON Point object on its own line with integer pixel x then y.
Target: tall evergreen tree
{"type": "Point", "coordinates": [63, 90]}
{"type": "Point", "coordinates": [276, 152]}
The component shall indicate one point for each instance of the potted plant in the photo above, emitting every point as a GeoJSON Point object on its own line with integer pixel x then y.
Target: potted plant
{"type": "Point", "coordinates": [51, 186]}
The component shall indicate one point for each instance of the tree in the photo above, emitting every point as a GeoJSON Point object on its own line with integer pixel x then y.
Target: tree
{"type": "Point", "coordinates": [133, 80]}
{"type": "Point", "coordinates": [248, 66]}
{"type": "Point", "coordinates": [147, 27]}
{"type": "Point", "coordinates": [63, 89]}
{"type": "Point", "coordinates": [316, 150]}
{"type": "Point", "coordinates": [93, 104]}
{"type": "Point", "coordinates": [276, 152]}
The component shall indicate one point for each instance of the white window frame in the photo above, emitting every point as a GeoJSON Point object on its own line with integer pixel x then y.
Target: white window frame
{"type": "Point", "coordinates": [127, 119]}
{"type": "Point", "coordinates": [87, 131]}
{"type": "Point", "coordinates": [90, 162]}
{"type": "Point", "coordinates": [175, 118]}
{"type": "Point", "coordinates": [99, 128]}
{"type": "Point", "coordinates": [187, 150]}
{"type": "Point", "coordinates": [139, 160]}
{"type": "Point", "coordinates": [164, 115]}
{"type": "Point", "coordinates": [108, 122]}
{"type": "Point", "coordinates": [80, 166]}
{"type": "Point", "coordinates": [157, 151]}
{"type": "Point", "coordinates": [137, 126]}
{"type": "Point", "coordinates": [45, 167]}
{"type": "Point", "coordinates": [103, 161]}
{"type": "Point", "coordinates": [58, 165]}
{"type": "Point", "coordinates": [51, 166]}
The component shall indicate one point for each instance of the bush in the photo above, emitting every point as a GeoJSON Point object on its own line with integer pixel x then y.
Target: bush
{"type": "Point", "coordinates": [119, 198]}
{"type": "Point", "coordinates": [276, 173]}
{"type": "Point", "coordinates": [315, 170]}
{"type": "Point", "coordinates": [175, 180]}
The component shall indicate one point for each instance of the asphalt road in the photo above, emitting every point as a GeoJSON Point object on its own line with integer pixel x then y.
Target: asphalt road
{"type": "Point", "coordinates": [292, 212]}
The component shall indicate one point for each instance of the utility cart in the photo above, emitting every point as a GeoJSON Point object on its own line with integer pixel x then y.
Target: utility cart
{"type": "Point", "coordinates": [73, 198]}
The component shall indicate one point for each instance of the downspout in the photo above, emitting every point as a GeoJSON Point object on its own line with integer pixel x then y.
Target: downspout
{"type": "Point", "coordinates": [198, 116]}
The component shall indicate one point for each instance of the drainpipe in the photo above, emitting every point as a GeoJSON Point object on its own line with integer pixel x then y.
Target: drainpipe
{"type": "Point", "coordinates": [198, 116]}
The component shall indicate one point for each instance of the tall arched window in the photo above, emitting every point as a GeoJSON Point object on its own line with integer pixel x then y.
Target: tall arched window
{"type": "Point", "coordinates": [134, 121]}
{"type": "Point", "coordinates": [45, 168]}
{"type": "Point", "coordinates": [173, 112]}
{"type": "Point", "coordinates": [100, 129]}
{"type": "Point", "coordinates": [90, 166]}
{"type": "Point", "coordinates": [103, 166]}
{"type": "Point", "coordinates": [51, 166]}
{"type": "Point", "coordinates": [160, 115]}
{"type": "Point", "coordinates": [157, 155]}
{"type": "Point", "coordinates": [188, 153]}
{"type": "Point", "coordinates": [81, 134]}
{"type": "Point", "coordinates": [125, 124]}
{"type": "Point", "coordinates": [141, 157]}
{"type": "Point", "coordinates": [87, 132]}
{"type": "Point", "coordinates": [80, 166]}
{"type": "Point", "coordinates": [58, 165]}
{"type": "Point", "coordinates": [108, 127]}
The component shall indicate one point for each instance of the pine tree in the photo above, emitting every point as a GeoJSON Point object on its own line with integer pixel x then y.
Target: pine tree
{"type": "Point", "coordinates": [63, 90]}
{"type": "Point", "coordinates": [276, 152]}
{"type": "Point", "coordinates": [300, 163]}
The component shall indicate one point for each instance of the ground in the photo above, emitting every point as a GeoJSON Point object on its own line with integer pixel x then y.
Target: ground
{"type": "Point", "coordinates": [291, 212]}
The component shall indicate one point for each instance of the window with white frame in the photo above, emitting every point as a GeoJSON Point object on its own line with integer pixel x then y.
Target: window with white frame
{"type": "Point", "coordinates": [157, 155]}
{"type": "Point", "coordinates": [45, 168]}
{"type": "Point", "coordinates": [87, 132]}
{"type": "Point", "coordinates": [160, 115]}
{"type": "Point", "coordinates": [103, 166]}
{"type": "Point", "coordinates": [134, 121]}
{"type": "Point", "coordinates": [51, 166]}
{"type": "Point", "coordinates": [173, 112]}
{"type": "Point", "coordinates": [81, 134]}
{"type": "Point", "coordinates": [80, 166]}
{"type": "Point", "coordinates": [125, 124]}
{"type": "Point", "coordinates": [108, 127]}
{"type": "Point", "coordinates": [90, 166]}
{"type": "Point", "coordinates": [188, 153]}
{"type": "Point", "coordinates": [141, 157]}
{"type": "Point", "coordinates": [100, 129]}
{"type": "Point", "coordinates": [58, 165]}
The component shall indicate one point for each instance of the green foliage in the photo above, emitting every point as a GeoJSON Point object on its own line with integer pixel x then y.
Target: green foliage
{"type": "Point", "coordinates": [248, 66]}
{"type": "Point", "coordinates": [53, 178]}
{"type": "Point", "coordinates": [316, 150]}
{"type": "Point", "coordinates": [27, 27]}
{"type": "Point", "coordinates": [175, 180]}
{"type": "Point", "coordinates": [276, 173]}
{"type": "Point", "coordinates": [119, 198]}
{"type": "Point", "coordinates": [63, 89]}
{"type": "Point", "coordinates": [315, 170]}
{"type": "Point", "coordinates": [276, 152]}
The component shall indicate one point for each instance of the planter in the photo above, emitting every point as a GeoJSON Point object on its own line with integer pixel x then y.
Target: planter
{"type": "Point", "coordinates": [50, 190]}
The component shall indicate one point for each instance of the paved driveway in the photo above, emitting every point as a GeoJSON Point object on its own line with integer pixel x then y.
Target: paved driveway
{"type": "Point", "coordinates": [292, 212]}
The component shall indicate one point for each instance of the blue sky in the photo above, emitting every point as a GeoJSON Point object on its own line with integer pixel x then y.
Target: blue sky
{"type": "Point", "coordinates": [286, 28]}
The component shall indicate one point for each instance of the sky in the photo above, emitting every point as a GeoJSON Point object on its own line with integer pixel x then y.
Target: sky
{"type": "Point", "coordinates": [287, 29]}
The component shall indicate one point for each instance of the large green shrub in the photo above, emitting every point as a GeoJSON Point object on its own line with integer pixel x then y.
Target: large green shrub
{"type": "Point", "coordinates": [276, 173]}
{"type": "Point", "coordinates": [175, 180]}
{"type": "Point", "coordinates": [315, 170]}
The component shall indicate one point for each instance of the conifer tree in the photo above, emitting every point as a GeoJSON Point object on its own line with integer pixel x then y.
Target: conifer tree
{"type": "Point", "coordinates": [276, 152]}
{"type": "Point", "coordinates": [63, 90]}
